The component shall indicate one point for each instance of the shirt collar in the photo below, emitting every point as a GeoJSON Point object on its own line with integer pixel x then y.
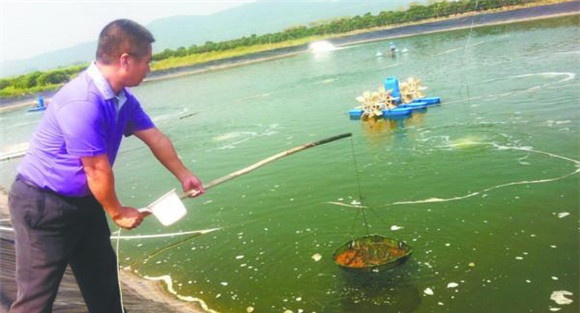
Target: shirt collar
{"type": "Point", "coordinates": [103, 85]}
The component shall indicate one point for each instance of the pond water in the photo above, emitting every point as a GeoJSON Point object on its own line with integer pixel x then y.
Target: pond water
{"type": "Point", "coordinates": [484, 187]}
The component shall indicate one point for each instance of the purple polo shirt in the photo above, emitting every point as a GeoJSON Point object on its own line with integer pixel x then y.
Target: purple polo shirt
{"type": "Point", "coordinates": [84, 118]}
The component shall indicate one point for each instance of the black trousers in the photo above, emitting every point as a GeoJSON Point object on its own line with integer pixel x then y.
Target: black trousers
{"type": "Point", "coordinates": [51, 232]}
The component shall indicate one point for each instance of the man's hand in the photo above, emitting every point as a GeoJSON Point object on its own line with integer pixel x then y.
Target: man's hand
{"type": "Point", "coordinates": [192, 185]}
{"type": "Point", "coordinates": [128, 217]}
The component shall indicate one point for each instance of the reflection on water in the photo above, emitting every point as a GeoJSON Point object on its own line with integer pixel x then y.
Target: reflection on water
{"type": "Point", "coordinates": [484, 187]}
{"type": "Point", "coordinates": [397, 297]}
{"type": "Point", "coordinates": [381, 130]}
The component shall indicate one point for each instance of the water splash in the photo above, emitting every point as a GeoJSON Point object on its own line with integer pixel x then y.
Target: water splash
{"type": "Point", "coordinates": [321, 46]}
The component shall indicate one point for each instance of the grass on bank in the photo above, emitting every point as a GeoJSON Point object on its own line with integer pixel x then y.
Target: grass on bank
{"type": "Point", "coordinates": [193, 59]}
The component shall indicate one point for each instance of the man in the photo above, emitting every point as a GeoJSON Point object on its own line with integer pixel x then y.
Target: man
{"type": "Point", "coordinates": [65, 182]}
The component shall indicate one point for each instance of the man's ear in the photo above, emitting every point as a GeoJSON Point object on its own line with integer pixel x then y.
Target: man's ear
{"type": "Point", "coordinates": [124, 59]}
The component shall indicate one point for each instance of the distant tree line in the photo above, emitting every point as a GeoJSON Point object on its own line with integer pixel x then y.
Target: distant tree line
{"type": "Point", "coordinates": [37, 81]}
{"type": "Point", "coordinates": [50, 80]}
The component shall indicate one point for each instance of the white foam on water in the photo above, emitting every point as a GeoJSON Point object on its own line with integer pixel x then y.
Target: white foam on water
{"type": "Point", "coordinates": [232, 139]}
{"type": "Point", "coordinates": [524, 182]}
{"type": "Point", "coordinates": [451, 50]}
{"type": "Point", "coordinates": [395, 227]}
{"type": "Point", "coordinates": [169, 283]}
{"type": "Point", "coordinates": [452, 285]}
{"type": "Point", "coordinates": [568, 52]}
{"type": "Point", "coordinates": [566, 77]}
{"type": "Point", "coordinates": [356, 206]}
{"type": "Point", "coordinates": [164, 117]}
{"type": "Point", "coordinates": [326, 81]}
{"type": "Point", "coordinates": [233, 135]}
{"type": "Point", "coordinates": [258, 96]}
{"type": "Point", "coordinates": [467, 142]}
{"type": "Point", "coordinates": [355, 202]}
{"type": "Point", "coordinates": [552, 123]}
{"type": "Point", "coordinates": [559, 296]}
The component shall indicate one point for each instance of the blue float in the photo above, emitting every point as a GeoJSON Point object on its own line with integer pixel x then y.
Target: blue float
{"type": "Point", "coordinates": [428, 100]}
{"type": "Point", "coordinates": [36, 109]}
{"type": "Point", "coordinates": [355, 114]}
{"type": "Point", "coordinates": [396, 112]}
{"type": "Point", "coordinates": [419, 105]}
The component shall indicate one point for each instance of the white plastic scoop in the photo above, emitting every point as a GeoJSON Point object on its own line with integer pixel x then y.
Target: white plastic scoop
{"type": "Point", "coordinates": [168, 209]}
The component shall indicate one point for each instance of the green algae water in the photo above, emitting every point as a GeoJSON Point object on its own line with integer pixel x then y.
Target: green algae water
{"type": "Point", "coordinates": [485, 187]}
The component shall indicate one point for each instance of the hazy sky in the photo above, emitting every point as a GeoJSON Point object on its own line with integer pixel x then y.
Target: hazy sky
{"type": "Point", "coordinates": [32, 27]}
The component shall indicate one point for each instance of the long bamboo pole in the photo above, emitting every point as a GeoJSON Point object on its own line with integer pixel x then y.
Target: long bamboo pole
{"type": "Point", "coordinates": [264, 162]}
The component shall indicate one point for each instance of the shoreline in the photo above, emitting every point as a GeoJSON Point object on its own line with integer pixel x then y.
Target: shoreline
{"type": "Point", "coordinates": [470, 20]}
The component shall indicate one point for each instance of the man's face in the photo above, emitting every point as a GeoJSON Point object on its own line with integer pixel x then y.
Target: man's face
{"type": "Point", "coordinates": [137, 68]}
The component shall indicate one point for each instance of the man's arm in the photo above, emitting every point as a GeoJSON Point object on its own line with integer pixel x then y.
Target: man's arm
{"type": "Point", "coordinates": [101, 182]}
{"type": "Point", "coordinates": [164, 151]}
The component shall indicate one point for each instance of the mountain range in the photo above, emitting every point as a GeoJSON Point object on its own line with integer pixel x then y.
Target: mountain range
{"type": "Point", "coordinates": [260, 17]}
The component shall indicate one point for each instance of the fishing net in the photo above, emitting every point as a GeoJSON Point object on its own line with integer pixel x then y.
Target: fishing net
{"type": "Point", "coordinates": [373, 252]}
